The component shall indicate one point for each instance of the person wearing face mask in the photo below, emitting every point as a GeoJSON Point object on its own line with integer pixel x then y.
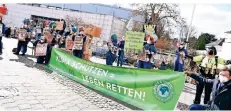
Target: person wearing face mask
{"type": "Point", "coordinates": [221, 90]}
{"type": "Point", "coordinates": [208, 69]}
{"type": "Point", "coordinates": [23, 44]}
{"type": "Point", "coordinates": [42, 40]}
{"type": "Point", "coordinates": [181, 53]}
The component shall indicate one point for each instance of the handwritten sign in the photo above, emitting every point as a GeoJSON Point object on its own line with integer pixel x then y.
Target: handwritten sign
{"type": "Point", "coordinates": [41, 49]}
{"type": "Point", "coordinates": [78, 43]}
{"type": "Point", "coordinates": [134, 41]}
{"type": "Point", "coordinates": [22, 35]}
{"type": "Point", "coordinates": [59, 25]}
{"type": "Point", "coordinates": [69, 43]}
{"type": "Point", "coordinates": [149, 30]}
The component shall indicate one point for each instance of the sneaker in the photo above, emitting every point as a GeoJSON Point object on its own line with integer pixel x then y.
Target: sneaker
{"type": "Point", "coordinates": [196, 102]}
{"type": "Point", "coordinates": [22, 54]}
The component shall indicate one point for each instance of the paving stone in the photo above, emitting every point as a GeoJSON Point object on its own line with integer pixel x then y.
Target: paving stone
{"type": "Point", "coordinates": [37, 106]}
{"type": "Point", "coordinates": [24, 106]}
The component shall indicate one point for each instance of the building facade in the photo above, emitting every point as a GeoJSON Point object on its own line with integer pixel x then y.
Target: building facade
{"type": "Point", "coordinates": [112, 19]}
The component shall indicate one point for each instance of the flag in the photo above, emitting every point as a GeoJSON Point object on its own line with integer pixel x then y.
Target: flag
{"type": "Point", "coordinates": [130, 24]}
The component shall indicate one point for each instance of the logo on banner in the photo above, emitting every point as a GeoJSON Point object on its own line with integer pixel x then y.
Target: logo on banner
{"type": "Point", "coordinates": [163, 91]}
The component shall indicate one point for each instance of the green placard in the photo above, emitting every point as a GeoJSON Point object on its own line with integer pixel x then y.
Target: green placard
{"type": "Point", "coordinates": [134, 41]}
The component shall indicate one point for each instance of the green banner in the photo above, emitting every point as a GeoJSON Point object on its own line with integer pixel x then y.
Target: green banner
{"type": "Point", "coordinates": [145, 89]}
{"type": "Point", "coordinates": [134, 41]}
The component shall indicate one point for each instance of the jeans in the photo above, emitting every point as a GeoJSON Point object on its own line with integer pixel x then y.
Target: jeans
{"type": "Point", "coordinates": [140, 64]}
{"type": "Point", "coordinates": [48, 53]}
{"type": "Point", "coordinates": [197, 107]}
{"type": "Point", "coordinates": [78, 53]}
{"type": "Point", "coordinates": [41, 59]}
{"type": "Point", "coordinates": [22, 46]}
{"type": "Point", "coordinates": [0, 44]}
{"type": "Point", "coordinates": [144, 64]}
{"type": "Point", "coordinates": [120, 58]}
{"type": "Point", "coordinates": [109, 58]}
{"type": "Point", "coordinates": [199, 90]}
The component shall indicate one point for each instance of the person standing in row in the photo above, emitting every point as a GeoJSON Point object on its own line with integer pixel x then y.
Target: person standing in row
{"type": "Point", "coordinates": [121, 52]}
{"type": "Point", "coordinates": [181, 53]}
{"type": "Point", "coordinates": [51, 44]}
{"type": "Point", "coordinates": [22, 45]}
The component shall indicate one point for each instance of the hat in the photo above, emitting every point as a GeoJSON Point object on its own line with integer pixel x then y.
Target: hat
{"type": "Point", "coordinates": [74, 29]}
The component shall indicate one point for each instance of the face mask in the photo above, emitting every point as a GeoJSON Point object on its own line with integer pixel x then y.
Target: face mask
{"type": "Point", "coordinates": [223, 79]}
{"type": "Point", "coordinates": [149, 42]}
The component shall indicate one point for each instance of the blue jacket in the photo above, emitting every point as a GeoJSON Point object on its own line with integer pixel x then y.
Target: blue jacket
{"type": "Point", "coordinates": [221, 93]}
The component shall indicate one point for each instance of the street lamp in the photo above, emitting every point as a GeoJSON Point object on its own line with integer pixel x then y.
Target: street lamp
{"type": "Point", "coordinates": [190, 25]}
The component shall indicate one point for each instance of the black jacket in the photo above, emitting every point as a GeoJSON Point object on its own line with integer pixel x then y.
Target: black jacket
{"type": "Point", "coordinates": [221, 93]}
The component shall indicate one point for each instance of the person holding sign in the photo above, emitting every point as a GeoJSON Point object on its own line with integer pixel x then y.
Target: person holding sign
{"type": "Point", "coordinates": [23, 40]}
{"type": "Point", "coordinates": [2, 28]}
{"type": "Point", "coordinates": [51, 43]}
{"type": "Point", "coordinates": [78, 43]}
{"type": "Point", "coordinates": [150, 51]}
{"type": "Point", "coordinates": [110, 55]}
{"type": "Point", "coordinates": [40, 49]}
{"type": "Point", "coordinates": [181, 53]}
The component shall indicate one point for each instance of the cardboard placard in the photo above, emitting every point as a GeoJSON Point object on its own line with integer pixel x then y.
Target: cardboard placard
{"type": "Point", "coordinates": [59, 25]}
{"type": "Point", "coordinates": [96, 31]}
{"type": "Point", "coordinates": [49, 37]}
{"type": "Point", "coordinates": [22, 35]}
{"type": "Point", "coordinates": [38, 30]}
{"type": "Point", "coordinates": [69, 43]}
{"type": "Point", "coordinates": [78, 43]}
{"type": "Point", "coordinates": [41, 49]}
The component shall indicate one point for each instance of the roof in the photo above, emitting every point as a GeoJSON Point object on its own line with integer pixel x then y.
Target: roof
{"type": "Point", "coordinates": [218, 42]}
{"type": "Point", "coordinates": [115, 11]}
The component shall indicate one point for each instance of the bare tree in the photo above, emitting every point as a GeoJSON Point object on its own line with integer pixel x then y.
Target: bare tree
{"type": "Point", "coordinates": [185, 30]}
{"type": "Point", "coordinates": [73, 21]}
{"type": "Point", "coordinates": [164, 16]}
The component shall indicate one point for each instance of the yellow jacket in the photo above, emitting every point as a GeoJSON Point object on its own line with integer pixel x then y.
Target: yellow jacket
{"type": "Point", "coordinates": [206, 62]}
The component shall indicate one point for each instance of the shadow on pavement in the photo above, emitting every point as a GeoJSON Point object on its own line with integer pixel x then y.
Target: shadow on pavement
{"type": "Point", "coordinates": [1, 58]}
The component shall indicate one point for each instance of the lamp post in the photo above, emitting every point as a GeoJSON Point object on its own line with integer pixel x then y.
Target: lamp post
{"type": "Point", "coordinates": [190, 25]}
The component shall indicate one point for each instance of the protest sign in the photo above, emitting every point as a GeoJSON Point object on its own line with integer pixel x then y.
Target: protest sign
{"type": "Point", "coordinates": [49, 37]}
{"type": "Point", "coordinates": [96, 31]}
{"type": "Point", "coordinates": [78, 43]}
{"type": "Point", "coordinates": [149, 30]}
{"type": "Point", "coordinates": [146, 89]}
{"type": "Point", "coordinates": [22, 35]}
{"type": "Point", "coordinates": [59, 25]}
{"type": "Point", "coordinates": [134, 41]}
{"type": "Point", "coordinates": [41, 49]}
{"type": "Point", "coordinates": [69, 43]}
